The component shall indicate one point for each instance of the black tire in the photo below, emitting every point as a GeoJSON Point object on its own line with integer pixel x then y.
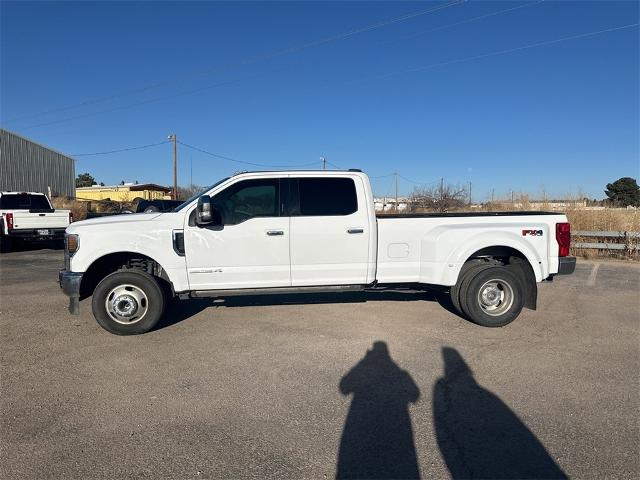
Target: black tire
{"type": "Point", "coordinates": [138, 291]}
{"type": "Point", "coordinates": [151, 209]}
{"type": "Point", "coordinates": [506, 284]}
{"type": "Point", "coordinates": [454, 292]}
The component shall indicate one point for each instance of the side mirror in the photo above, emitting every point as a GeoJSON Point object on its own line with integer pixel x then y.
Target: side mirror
{"type": "Point", "coordinates": [204, 210]}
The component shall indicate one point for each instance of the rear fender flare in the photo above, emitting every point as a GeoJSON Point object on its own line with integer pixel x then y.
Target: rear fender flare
{"type": "Point", "coordinates": [460, 256]}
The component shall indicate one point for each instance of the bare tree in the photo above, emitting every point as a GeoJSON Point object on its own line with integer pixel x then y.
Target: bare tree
{"type": "Point", "coordinates": [188, 191]}
{"type": "Point", "coordinates": [441, 198]}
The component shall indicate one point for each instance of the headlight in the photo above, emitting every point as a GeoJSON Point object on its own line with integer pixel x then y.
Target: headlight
{"type": "Point", "coordinates": [71, 243]}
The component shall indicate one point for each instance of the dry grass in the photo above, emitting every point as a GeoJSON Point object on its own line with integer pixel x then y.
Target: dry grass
{"type": "Point", "coordinates": [79, 209]}
{"type": "Point", "coordinates": [609, 220]}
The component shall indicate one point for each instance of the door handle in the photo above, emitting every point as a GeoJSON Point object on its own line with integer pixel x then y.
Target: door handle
{"type": "Point", "coordinates": [355, 230]}
{"type": "Point", "coordinates": [274, 233]}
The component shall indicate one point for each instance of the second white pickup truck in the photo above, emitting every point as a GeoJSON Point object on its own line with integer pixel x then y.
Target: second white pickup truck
{"type": "Point", "coordinates": [29, 216]}
{"type": "Point", "coordinates": [307, 231]}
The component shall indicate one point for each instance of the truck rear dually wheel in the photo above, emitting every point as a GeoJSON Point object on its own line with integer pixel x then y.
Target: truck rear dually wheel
{"type": "Point", "coordinates": [494, 297]}
{"type": "Point", "coordinates": [128, 302]}
{"type": "Point", "coordinates": [467, 272]}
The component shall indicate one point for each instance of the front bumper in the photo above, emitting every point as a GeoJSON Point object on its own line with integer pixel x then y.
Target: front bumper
{"type": "Point", "coordinates": [33, 234]}
{"type": "Point", "coordinates": [567, 265]}
{"type": "Point", "coordinates": [70, 285]}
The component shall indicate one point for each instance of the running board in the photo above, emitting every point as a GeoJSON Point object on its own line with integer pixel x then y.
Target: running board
{"type": "Point", "coordinates": [276, 291]}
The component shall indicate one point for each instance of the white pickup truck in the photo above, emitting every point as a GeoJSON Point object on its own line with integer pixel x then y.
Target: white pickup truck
{"type": "Point", "coordinates": [30, 216]}
{"type": "Point", "coordinates": [307, 231]}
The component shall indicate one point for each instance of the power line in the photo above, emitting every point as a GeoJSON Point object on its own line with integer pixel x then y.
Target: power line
{"type": "Point", "coordinates": [334, 165]}
{"type": "Point", "coordinates": [120, 150]}
{"type": "Point", "coordinates": [224, 157]}
{"type": "Point", "coordinates": [378, 77]}
{"type": "Point", "coordinates": [499, 52]}
{"type": "Point", "coordinates": [247, 61]}
{"type": "Point", "coordinates": [136, 104]}
{"type": "Point", "coordinates": [462, 22]}
{"type": "Point", "coordinates": [416, 182]}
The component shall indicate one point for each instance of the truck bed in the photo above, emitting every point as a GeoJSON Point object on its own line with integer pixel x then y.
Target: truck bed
{"type": "Point", "coordinates": [431, 248]}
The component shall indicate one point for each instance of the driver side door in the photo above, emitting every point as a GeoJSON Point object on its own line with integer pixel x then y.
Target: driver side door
{"type": "Point", "coordinates": [249, 247]}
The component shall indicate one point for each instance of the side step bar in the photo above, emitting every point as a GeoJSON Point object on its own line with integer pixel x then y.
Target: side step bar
{"type": "Point", "coordinates": [275, 291]}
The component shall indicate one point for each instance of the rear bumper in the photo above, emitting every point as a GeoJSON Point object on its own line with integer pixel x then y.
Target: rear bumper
{"type": "Point", "coordinates": [70, 285]}
{"type": "Point", "coordinates": [567, 265]}
{"type": "Point", "coordinates": [33, 234]}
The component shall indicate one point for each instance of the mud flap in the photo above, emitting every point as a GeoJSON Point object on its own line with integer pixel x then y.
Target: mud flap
{"type": "Point", "coordinates": [525, 272]}
{"type": "Point", "coordinates": [74, 305]}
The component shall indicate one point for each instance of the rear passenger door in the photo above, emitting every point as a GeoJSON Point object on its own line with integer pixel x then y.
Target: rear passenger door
{"type": "Point", "coordinates": [329, 227]}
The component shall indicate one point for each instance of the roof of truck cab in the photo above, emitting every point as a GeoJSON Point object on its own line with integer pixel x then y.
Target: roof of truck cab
{"type": "Point", "coordinates": [289, 172]}
{"type": "Point", "coordinates": [21, 193]}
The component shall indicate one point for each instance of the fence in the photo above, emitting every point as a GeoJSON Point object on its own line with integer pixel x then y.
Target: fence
{"type": "Point", "coordinates": [622, 244]}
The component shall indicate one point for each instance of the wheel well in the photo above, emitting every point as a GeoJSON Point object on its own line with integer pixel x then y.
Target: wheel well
{"type": "Point", "coordinates": [518, 263]}
{"type": "Point", "coordinates": [112, 262]}
{"type": "Point", "coordinates": [498, 252]}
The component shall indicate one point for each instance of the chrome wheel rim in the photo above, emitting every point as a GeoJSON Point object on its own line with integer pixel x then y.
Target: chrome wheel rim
{"type": "Point", "coordinates": [126, 304]}
{"type": "Point", "coordinates": [495, 297]}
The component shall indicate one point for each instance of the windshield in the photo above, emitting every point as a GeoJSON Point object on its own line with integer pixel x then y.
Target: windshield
{"type": "Point", "coordinates": [193, 197]}
{"type": "Point", "coordinates": [24, 201]}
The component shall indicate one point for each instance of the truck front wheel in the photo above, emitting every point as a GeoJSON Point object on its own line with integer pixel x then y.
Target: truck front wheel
{"type": "Point", "coordinates": [128, 302]}
{"type": "Point", "coordinates": [494, 297]}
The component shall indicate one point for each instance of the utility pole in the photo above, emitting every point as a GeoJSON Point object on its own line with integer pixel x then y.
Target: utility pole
{"type": "Point", "coordinates": [493, 195]}
{"type": "Point", "coordinates": [511, 197]}
{"type": "Point", "coordinates": [441, 188]}
{"type": "Point", "coordinates": [324, 163]}
{"type": "Point", "coordinates": [396, 174]}
{"type": "Point", "coordinates": [469, 193]}
{"type": "Point", "coordinates": [174, 139]}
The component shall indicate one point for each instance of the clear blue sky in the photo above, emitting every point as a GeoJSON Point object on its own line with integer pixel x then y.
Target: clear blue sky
{"type": "Point", "coordinates": [561, 116]}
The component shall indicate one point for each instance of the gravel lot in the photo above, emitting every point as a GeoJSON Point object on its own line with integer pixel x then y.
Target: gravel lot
{"type": "Point", "coordinates": [355, 385]}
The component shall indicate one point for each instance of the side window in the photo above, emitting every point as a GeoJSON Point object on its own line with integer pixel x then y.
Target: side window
{"type": "Point", "coordinates": [248, 199]}
{"type": "Point", "coordinates": [327, 196]}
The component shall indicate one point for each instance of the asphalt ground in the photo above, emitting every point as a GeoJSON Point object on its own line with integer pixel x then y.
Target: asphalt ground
{"type": "Point", "coordinates": [367, 385]}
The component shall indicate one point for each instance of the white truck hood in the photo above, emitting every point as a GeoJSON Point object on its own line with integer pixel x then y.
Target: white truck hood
{"type": "Point", "coordinates": [113, 220]}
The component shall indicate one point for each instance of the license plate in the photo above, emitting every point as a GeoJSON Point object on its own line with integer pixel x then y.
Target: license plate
{"type": "Point", "coordinates": [43, 232]}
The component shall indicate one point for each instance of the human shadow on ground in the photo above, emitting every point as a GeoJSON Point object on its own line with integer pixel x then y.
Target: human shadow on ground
{"type": "Point", "coordinates": [479, 436]}
{"type": "Point", "coordinates": [377, 439]}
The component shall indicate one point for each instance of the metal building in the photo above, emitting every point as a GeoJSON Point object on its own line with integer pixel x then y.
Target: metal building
{"type": "Point", "coordinates": [27, 166]}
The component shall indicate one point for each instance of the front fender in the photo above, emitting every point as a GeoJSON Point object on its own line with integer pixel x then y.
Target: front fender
{"type": "Point", "coordinates": [155, 242]}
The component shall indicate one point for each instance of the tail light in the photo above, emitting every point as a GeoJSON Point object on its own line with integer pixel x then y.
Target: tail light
{"type": "Point", "coordinates": [8, 217]}
{"type": "Point", "coordinates": [563, 236]}
{"type": "Point", "coordinates": [70, 217]}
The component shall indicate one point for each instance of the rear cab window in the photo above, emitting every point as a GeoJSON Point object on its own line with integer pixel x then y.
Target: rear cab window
{"type": "Point", "coordinates": [322, 196]}
{"type": "Point", "coordinates": [24, 201]}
